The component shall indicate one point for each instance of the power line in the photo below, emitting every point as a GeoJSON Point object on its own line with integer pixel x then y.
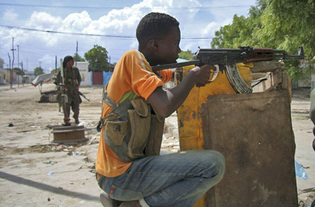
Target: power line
{"type": "Point", "coordinates": [69, 33]}
{"type": "Point", "coordinates": [91, 35]}
{"type": "Point", "coordinates": [56, 6]}
{"type": "Point", "coordinates": [120, 7]}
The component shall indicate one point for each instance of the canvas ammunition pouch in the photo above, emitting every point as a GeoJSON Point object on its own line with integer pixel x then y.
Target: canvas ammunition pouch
{"type": "Point", "coordinates": [132, 129]}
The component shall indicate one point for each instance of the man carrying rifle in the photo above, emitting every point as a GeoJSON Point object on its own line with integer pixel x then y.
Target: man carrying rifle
{"type": "Point", "coordinates": [69, 79]}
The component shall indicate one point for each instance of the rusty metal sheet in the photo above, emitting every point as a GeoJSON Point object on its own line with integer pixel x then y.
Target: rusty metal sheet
{"type": "Point", "coordinates": [254, 133]}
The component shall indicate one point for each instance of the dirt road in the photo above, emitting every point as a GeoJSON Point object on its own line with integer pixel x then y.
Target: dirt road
{"type": "Point", "coordinates": [36, 172]}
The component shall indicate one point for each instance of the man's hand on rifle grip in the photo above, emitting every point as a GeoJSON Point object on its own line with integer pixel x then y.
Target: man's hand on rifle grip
{"type": "Point", "coordinates": [203, 74]}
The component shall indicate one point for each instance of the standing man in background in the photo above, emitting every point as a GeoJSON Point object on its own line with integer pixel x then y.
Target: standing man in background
{"type": "Point", "coordinates": [72, 80]}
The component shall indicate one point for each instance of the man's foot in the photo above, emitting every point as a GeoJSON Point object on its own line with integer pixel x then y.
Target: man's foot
{"type": "Point", "coordinates": [107, 201]}
{"type": "Point", "coordinates": [67, 121]}
{"type": "Point", "coordinates": [130, 204]}
{"type": "Point", "coordinates": [77, 121]}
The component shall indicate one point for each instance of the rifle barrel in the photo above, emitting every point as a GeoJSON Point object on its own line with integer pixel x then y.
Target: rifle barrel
{"type": "Point", "coordinates": [174, 65]}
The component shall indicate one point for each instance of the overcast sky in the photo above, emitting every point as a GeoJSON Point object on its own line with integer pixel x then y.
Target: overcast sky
{"type": "Point", "coordinates": [43, 30]}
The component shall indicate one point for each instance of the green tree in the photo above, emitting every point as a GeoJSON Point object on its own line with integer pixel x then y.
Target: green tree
{"type": "Point", "coordinates": [97, 58]}
{"type": "Point", "coordinates": [77, 57]}
{"type": "Point", "coordinates": [18, 71]}
{"type": "Point", "coordinates": [291, 23]}
{"type": "Point", "coordinates": [284, 24]}
{"type": "Point", "coordinates": [296, 72]}
{"type": "Point", "coordinates": [234, 35]}
{"type": "Point", "coordinates": [56, 70]}
{"type": "Point", "coordinates": [188, 55]}
{"type": "Point", "coordinates": [242, 32]}
{"type": "Point", "coordinates": [38, 71]}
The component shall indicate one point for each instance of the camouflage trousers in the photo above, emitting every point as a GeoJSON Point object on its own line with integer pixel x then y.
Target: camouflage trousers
{"type": "Point", "coordinates": [74, 105]}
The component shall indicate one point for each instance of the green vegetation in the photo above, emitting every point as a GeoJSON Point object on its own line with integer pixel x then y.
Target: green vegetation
{"type": "Point", "coordinates": [98, 59]}
{"type": "Point", "coordinates": [284, 24]}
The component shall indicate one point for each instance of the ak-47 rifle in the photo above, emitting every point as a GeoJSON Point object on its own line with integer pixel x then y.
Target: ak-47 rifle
{"type": "Point", "coordinates": [81, 94]}
{"type": "Point", "coordinates": [71, 88]}
{"type": "Point", "coordinates": [64, 97]}
{"type": "Point", "coordinates": [226, 60]}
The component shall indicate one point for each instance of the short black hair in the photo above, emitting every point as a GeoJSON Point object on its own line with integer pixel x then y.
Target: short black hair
{"type": "Point", "coordinates": [154, 26]}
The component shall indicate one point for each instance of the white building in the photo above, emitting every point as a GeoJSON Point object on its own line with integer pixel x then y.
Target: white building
{"type": "Point", "coordinates": [84, 72]}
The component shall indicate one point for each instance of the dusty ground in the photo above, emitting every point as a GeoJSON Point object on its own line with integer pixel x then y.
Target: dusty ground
{"type": "Point", "coordinates": [34, 171]}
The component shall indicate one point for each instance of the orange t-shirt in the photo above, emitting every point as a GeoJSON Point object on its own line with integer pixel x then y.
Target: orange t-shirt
{"type": "Point", "coordinates": [132, 77]}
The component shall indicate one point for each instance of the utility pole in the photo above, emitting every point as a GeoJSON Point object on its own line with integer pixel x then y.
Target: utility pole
{"type": "Point", "coordinates": [22, 73]}
{"type": "Point", "coordinates": [12, 60]}
{"type": "Point", "coordinates": [10, 71]}
{"type": "Point", "coordinates": [76, 53]}
{"type": "Point", "coordinates": [56, 62]}
{"type": "Point", "coordinates": [18, 64]}
{"type": "Point", "coordinates": [18, 55]}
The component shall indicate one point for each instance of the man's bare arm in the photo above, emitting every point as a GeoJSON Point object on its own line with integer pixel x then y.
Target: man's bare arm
{"type": "Point", "coordinates": [165, 102]}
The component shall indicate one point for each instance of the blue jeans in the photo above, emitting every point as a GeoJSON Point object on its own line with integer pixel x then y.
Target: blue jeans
{"type": "Point", "coordinates": [178, 179]}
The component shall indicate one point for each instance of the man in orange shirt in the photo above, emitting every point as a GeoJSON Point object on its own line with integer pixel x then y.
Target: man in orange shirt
{"type": "Point", "coordinates": [178, 179]}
